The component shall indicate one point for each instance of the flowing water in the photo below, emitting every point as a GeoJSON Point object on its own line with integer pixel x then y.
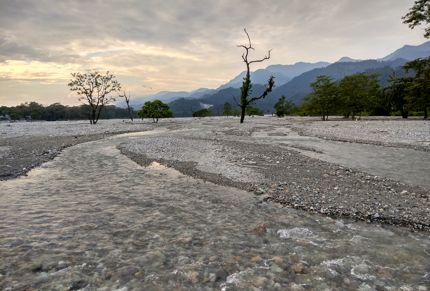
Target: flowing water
{"type": "Point", "coordinates": [92, 219]}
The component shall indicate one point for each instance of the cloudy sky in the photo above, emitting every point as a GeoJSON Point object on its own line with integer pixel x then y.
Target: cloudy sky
{"type": "Point", "coordinates": [154, 45]}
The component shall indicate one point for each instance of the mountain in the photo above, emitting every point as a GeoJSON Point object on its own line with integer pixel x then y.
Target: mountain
{"type": "Point", "coordinates": [166, 96]}
{"type": "Point", "coordinates": [410, 52]}
{"type": "Point", "coordinates": [297, 79]}
{"type": "Point", "coordinates": [347, 60]}
{"type": "Point", "coordinates": [185, 107]}
{"type": "Point", "coordinates": [294, 90]}
{"type": "Point", "coordinates": [282, 74]}
{"type": "Point", "coordinates": [299, 87]}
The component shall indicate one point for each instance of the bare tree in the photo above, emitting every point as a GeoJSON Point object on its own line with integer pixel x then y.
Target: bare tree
{"type": "Point", "coordinates": [94, 88]}
{"type": "Point", "coordinates": [127, 101]}
{"type": "Point", "coordinates": [246, 89]}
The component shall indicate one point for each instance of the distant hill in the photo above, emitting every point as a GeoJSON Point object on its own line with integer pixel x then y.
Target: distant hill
{"type": "Point", "coordinates": [410, 52]}
{"type": "Point", "coordinates": [282, 74]}
{"type": "Point", "coordinates": [166, 96]}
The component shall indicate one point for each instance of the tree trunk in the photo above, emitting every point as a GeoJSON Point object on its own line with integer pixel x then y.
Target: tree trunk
{"type": "Point", "coordinates": [242, 114]}
{"type": "Point", "coordinates": [93, 116]}
{"type": "Point", "coordinates": [129, 110]}
{"type": "Point", "coordinates": [426, 114]}
{"type": "Point", "coordinates": [98, 113]}
{"type": "Point", "coordinates": [404, 113]}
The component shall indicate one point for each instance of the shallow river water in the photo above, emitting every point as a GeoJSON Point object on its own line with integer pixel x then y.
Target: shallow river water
{"type": "Point", "coordinates": [92, 219]}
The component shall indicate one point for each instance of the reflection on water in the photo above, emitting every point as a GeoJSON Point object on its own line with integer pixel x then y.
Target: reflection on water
{"type": "Point", "coordinates": [94, 219]}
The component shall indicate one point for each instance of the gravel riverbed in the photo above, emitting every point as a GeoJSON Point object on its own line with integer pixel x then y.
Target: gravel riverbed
{"type": "Point", "coordinates": [92, 219]}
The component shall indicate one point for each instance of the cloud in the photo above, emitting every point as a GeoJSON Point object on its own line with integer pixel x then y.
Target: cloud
{"type": "Point", "coordinates": [183, 44]}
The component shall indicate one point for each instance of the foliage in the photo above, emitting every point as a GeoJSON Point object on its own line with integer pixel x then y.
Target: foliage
{"type": "Point", "coordinates": [155, 110]}
{"type": "Point", "coordinates": [94, 88]}
{"type": "Point", "coordinates": [419, 14]}
{"type": "Point", "coordinates": [57, 111]}
{"type": "Point", "coordinates": [325, 99]}
{"type": "Point", "coordinates": [246, 89]}
{"type": "Point", "coordinates": [395, 95]}
{"type": "Point", "coordinates": [419, 90]}
{"type": "Point", "coordinates": [359, 93]}
{"type": "Point", "coordinates": [202, 113]}
{"type": "Point", "coordinates": [284, 107]}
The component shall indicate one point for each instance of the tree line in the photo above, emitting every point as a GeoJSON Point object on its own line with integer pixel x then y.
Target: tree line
{"type": "Point", "coordinates": [361, 94]}
{"type": "Point", "coordinates": [57, 111]}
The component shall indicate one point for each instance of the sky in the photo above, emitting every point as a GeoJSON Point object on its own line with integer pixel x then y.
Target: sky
{"type": "Point", "coordinates": [153, 45]}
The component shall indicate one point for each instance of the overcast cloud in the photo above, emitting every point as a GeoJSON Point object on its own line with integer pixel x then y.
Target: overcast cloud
{"type": "Point", "coordinates": [156, 45]}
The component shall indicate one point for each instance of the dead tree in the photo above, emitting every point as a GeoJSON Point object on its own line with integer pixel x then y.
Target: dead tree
{"type": "Point", "coordinates": [127, 101]}
{"type": "Point", "coordinates": [94, 88]}
{"type": "Point", "coordinates": [246, 89]}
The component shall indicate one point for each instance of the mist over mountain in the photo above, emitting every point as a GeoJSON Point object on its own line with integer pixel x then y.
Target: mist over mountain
{"type": "Point", "coordinates": [347, 60]}
{"type": "Point", "coordinates": [167, 97]}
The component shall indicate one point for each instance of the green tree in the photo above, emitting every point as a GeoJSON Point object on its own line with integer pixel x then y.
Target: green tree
{"type": "Point", "coordinates": [359, 93]}
{"type": "Point", "coordinates": [396, 94]}
{"type": "Point", "coordinates": [36, 111]}
{"type": "Point", "coordinates": [419, 89]}
{"type": "Point", "coordinates": [56, 111]}
{"type": "Point", "coordinates": [324, 99]}
{"type": "Point", "coordinates": [419, 14]}
{"type": "Point", "coordinates": [284, 107]}
{"type": "Point", "coordinates": [94, 88]}
{"type": "Point", "coordinates": [246, 89]}
{"type": "Point", "coordinates": [202, 113]}
{"type": "Point", "coordinates": [155, 110]}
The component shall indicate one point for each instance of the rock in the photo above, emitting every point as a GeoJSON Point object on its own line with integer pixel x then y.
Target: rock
{"type": "Point", "coordinates": [298, 268]}
{"type": "Point", "coordinates": [182, 260]}
{"type": "Point", "coordinates": [276, 269]}
{"type": "Point", "coordinates": [212, 277]}
{"type": "Point", "coordinates": [259, 281]}
{"type": "Point", "coordinates": [256, 259]}
{"type": "Point", "coordinates": [260, 229]}
{"type": "Point", "coordinates": [260, 191]}
{"type": "Point", "coordinates": [62, 264]}
{"type": "Point", "coordinates": [193, 277]}
{"type": "Point", "coordinates": [278, 260]}
{"type": "Point", "coordinates": [221, 275]}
